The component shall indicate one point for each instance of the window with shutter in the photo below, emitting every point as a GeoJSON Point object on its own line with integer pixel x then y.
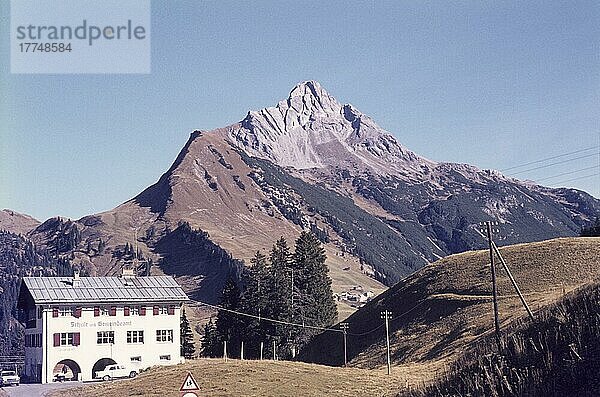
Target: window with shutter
{"type": "Point", "coordinates": [56, 339]}
{"type": "Point", "coordinates": [126, 311]}
{"type": "Point", "coordinates": [155, 310]}
{"type": "Point", "coordinates": [77, 312]}
{"type": "Point", "coordinates": [96, 311]}
{"type": "Point", "coordinates": [142, 311]}
{"type": "Point", "coordinates": [76, 339]}
{"type": "Point", "coordinates": [171, 310]}
{"type": "Point", "coordinates": [55, 312]}
{"type": "Point", "coordinates": [113, 311]}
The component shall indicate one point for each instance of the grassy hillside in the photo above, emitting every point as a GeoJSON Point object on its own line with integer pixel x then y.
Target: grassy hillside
{"type": "Point", "coordinates": [248, 378]}
{"type": "Point", "coordinates": [556, 355]}
{"type": "Point", "coordinates": [444, 307]}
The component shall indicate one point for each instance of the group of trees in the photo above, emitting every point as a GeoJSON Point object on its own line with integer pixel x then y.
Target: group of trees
{"type": "Point", "coordinates": [20, 257]}
{"type": "Point", "coordinates": [592, 231]}
{"type": "Point", "coordinates": [292, 287]}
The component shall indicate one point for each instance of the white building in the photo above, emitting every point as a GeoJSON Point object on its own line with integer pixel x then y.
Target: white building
{"type": "Point", "coordinates": [77, 326]}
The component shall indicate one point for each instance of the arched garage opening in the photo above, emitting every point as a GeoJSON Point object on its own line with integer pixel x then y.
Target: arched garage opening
{"type": "Point", "coordinates": [66, 370]}
{"type": "Point", "coordinates": [101, 364]}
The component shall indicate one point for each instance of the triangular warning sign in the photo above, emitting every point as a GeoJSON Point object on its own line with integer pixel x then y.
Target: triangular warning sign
{"type": "Point", "coordinates": [189, 383]}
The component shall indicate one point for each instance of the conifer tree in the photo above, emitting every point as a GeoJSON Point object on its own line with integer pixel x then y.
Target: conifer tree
{"type": "Point", "coordinates": [280, 295]}
{"type": "Point", "coordinates": [229, 325]}
{"type": "Point", "coordinates": [313, 283]}
{"type": "Point", "coordinates": [256, 300]}
{"type": "Point", "coordinates": [210, 345]}
{"type": "Point", "coordinates": [187, 337]}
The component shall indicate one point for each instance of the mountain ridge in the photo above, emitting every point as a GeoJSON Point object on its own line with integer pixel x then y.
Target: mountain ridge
{"type": "Point", "coordinates": [312, 163]}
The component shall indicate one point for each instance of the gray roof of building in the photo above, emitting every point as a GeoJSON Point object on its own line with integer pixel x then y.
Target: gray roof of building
{"type": "Point", "coordinates": [104, 289]}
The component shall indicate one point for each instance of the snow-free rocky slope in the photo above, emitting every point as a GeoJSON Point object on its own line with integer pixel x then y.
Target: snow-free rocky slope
{"type": "Point", "coordinates": [15, 222]}
{"type": "Point", "coordinates": [310, 162]}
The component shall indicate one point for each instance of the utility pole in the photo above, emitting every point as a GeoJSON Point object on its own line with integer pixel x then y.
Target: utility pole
{"type": "Point", "coordinates": [242, 351]}
{"type": "Point", "coordinates": [292, 294]}
{"type": "Point", "coordinates": [512, 280]}
{"type": "Point", "coordinates": [488, 225]}
{"type": "Point", "coordinates": [225, 350]}
{"type": "Point", "coordinates": [292, 311]}
{"type": "Point", "coordinates": [259, 306]}
{"type": "Point", "coordinates": [386, 314]}
{"type": "Point", "coordinates": [344, 327]}
{"type": "Point", "coordinates": [262, 346]}
{"type": "Point", "coordinates": [274, 349]}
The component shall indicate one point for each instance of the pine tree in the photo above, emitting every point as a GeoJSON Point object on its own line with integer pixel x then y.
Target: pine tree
{"type": "Point", "coordinates": [281, 295]}
{"type": "Point", "coordinates": [101, 246]}
{"type": "Point", "coordinates": [229, 325]}
{"type": "Point", "coordinates": [187, 337]}
{"type": "Point", "coordinates": [256, 301]}
{"type": "Point", "coordinates": [313, 283]}
{"type": "Point", "coordinates": [210, 345]}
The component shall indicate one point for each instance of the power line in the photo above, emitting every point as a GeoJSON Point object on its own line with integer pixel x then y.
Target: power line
{"type": "Point", "coordinates": [200, 303]}
{"type": "Point", "coordinates": [392, 319]}
{"type": "Point", "coordinates": [266, 318]}
{"type": "Point", "coordinates": [568, 173]}
{"type": "Point", "coordinates": [549, 158]}
{"type": "Point", "coordinates": [555, 163]}
{"type": "Point", "coordinates": [576, 179]}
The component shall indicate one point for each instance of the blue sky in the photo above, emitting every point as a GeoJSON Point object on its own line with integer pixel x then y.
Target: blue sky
{"type": "Point", "coordinates": [495, 84]}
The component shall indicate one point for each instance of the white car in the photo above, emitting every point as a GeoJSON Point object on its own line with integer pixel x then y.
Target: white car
{"type": "Point", "coordinates": [9, 378]}
{"type": "Point", "coordinates": [114, 371]}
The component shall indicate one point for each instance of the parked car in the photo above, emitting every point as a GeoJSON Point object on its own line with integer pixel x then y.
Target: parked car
{"type": "Point", "coordinates": [114, 371]}
{"type": "Point", "coordinates": [9, 378]}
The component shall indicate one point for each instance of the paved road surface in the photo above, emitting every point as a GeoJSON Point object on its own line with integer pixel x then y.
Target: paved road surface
{"type": "Point", "coordinates": [36, 389]}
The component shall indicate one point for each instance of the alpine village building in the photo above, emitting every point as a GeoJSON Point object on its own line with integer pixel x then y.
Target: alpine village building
{"type": "Point", "coordinates": [77, 326]}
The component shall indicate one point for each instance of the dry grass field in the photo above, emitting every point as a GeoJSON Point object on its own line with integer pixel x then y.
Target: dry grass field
{"type": "Point", "coordinates": [254, 378]}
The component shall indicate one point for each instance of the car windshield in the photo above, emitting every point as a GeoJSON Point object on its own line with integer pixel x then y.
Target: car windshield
{"type": "Point", "coordinates": [8, 373]}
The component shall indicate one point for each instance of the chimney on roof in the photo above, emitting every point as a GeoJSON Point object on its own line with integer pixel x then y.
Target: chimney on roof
{"type": "Point", "coordinates": [128, 273]}
{"type": "Point", "coordinates": [76, 279]}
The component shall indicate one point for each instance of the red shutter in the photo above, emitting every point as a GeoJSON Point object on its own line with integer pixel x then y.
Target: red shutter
{"type": "Point", "coordinates": [56, 339]}
{"type": "Point", "coordinates": [143, 311]}
{"type": "Point", "coordinates": [77, 313]}
{"type": "Point", "coordinates": [126, 311]}
{"type": "Point", "coordinates": [155, 310]}
{"type": "Point", "coordinates": [171, 310]}
{"type": "Point", "coordinates": [55, 312]}
{"type": "Point", "coordinates": [113, 311]}
{"type": "Point", "coordinates": [96, 311]}
{"type": "Point", "coordinates": [76, 339]}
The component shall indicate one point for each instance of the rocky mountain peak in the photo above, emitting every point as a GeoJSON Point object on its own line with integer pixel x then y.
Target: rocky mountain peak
{"type": "Point", "coordinates": [310, 98]}
{"type": "Point", "coordinates": [307, 102]}
{"type": "Point", "coordinates": [311, 129]}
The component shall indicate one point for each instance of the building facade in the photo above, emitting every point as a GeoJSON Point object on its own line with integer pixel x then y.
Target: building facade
{"type": "Point", "coordinates": [75, 327]}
